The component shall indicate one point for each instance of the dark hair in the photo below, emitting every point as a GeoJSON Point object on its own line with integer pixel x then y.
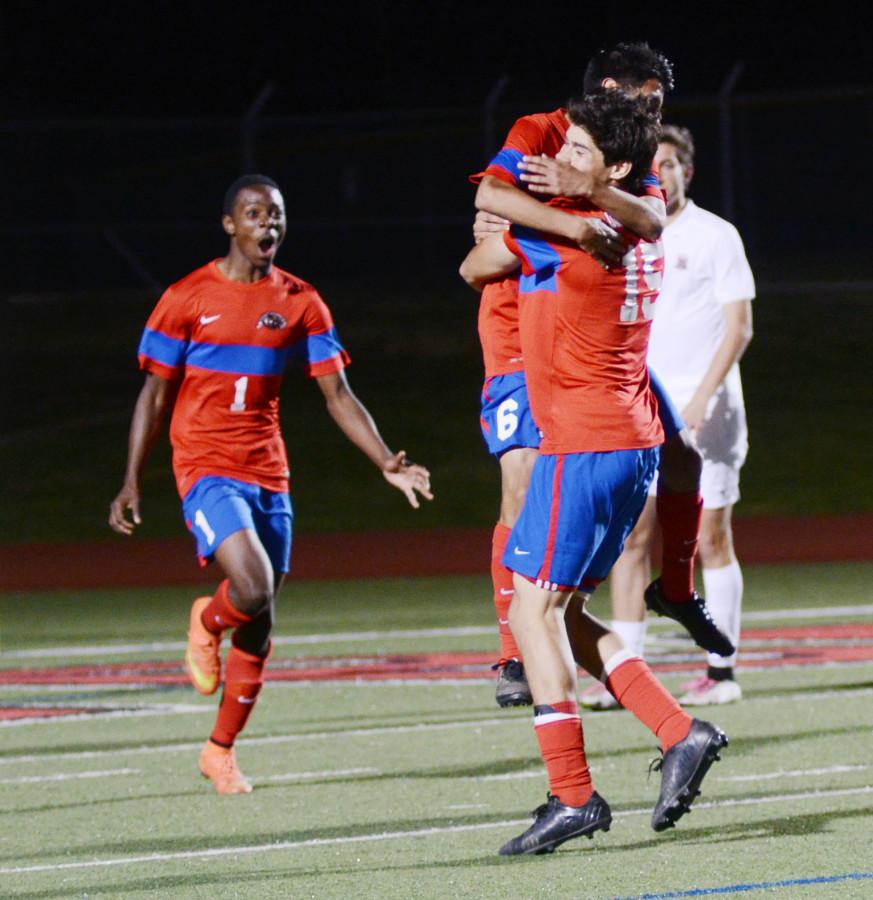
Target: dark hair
{"type": "Point", "coordinates": [628, 64]}
{"type": "Point", "coordinates": [243, 181]}
{"type": "Point", "coordinates": [682, 140]}
{"type": "Point", "coordinates": [625, 129]}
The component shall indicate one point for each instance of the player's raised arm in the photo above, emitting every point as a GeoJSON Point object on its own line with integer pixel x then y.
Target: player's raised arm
{"type": "Point", "coordinates": [154, 400]}
{"type": "Point", "coordinates": [488, 260]}
{"type": "Point", "coordinates": [645, 215]}
{"type": "Point", "coordinates": [358, 426]}
{"type": "Point", "coordinates": [594, 236]}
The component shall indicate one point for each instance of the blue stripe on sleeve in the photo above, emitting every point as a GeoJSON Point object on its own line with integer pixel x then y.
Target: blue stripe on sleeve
{"type": "Point", "coordinates": [651, 180]}
{"type": "Point", "coordinates": [162, 349]}
{"type": "Point", "coordinates": [321, 347]}
{"type": "Point", "coordinates": [508, 160]}
{"type": "Point", "coordinates": [542, 257]}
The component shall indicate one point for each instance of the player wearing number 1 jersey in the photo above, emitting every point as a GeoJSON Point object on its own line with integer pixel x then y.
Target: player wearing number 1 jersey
{"type": "Point", "coordinates": [219, 341]}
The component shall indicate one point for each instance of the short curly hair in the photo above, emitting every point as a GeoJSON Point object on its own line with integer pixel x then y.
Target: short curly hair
{"type": "Point", "coordinates": [629, 64]}
{"type": "Point", "coordinates": [625, 129]}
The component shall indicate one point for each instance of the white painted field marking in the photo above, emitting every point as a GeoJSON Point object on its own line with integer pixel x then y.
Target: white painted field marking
{"type": "Point", "coordinates": [399, 835]}
{"type": "Point", "coordinates": [71, 776]}
{"type": "Point", "coordinates": [288, 640]}
{"type": "Point", "coordinates": [421, 728]}
{"type": "Point", "coordinates": [307, 776]}
{"type": "Point", "coordinates": [776, 615]}
{"type": "Point", "coordinates": [168, 709]}
{"type": "Point", "coordinates": [794, 773]}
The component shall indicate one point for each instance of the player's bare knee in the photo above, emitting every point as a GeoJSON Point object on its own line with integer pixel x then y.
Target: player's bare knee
{"type": "Point", "coordinates": [252, 596]}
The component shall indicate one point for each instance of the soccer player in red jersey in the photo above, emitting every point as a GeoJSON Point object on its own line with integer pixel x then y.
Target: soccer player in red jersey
{"type": "Point", "coordinates": [509, 429]}
{"type": "Point", "coordinates": [584, 335]}
{"type": "Point", "coordinates": [215, 349]}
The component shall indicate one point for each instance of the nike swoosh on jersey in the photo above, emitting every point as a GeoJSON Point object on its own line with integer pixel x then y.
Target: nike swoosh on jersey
{"type": "Point", "coordinates": [518, 552]}
{"type": "Point", "coordinates": [205, 320]}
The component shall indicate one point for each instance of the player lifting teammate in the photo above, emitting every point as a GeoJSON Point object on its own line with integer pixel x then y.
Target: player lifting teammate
{"type": "Point", "coordinates": [216, 346]}
{"type": "Point", "coordinates": [509, 429]}
{"type": "Point", "coordinates": [584, 333]}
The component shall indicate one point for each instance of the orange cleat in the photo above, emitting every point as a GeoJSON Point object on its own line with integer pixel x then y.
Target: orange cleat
{"type": "Point", "coordinates": [202, 662]}
{"type": "Point", "coordinates": [218, 764]}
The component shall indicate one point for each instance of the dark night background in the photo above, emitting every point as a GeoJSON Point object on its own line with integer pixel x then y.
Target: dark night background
{"type": "Point", "coordinates": [168, 58]}
{"type": "Point", "coordinates": [121, 125]}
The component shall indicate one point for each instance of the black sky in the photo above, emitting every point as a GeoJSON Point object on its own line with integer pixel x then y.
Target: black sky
{"type": "Point", "coordinates": [164, 58]}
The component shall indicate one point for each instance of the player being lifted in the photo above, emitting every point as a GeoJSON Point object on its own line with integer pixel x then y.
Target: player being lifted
{"type": "Point", "coordinates": [584, 334]}
{"type": "Point", "coordinates": [509, 429]}
{"type": "Point", "coordinates": [217, 344]}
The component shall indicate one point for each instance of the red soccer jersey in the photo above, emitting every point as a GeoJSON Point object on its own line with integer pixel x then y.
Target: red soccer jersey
{"type": "Point", "coordinates": [498, 310]}
{"type": "Point", "coordinates": [584, 333]}
{"type": "Point", "coordinates": [229, 343]}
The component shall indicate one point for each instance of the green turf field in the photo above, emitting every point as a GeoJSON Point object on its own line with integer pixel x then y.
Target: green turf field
{"type": "Point", "coordinates": [406, 788]}
{"type": "Point", "coordinates": [416, 364]}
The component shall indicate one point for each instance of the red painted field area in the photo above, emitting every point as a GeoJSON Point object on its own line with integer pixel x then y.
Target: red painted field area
{"type": "Point", "coordinates": [136, 562]}
{"type": "Point", "coordinates": [814, 645]}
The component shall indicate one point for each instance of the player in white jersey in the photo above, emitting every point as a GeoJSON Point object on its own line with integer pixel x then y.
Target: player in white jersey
{"type": "Point", "coordinates": [702, 325]}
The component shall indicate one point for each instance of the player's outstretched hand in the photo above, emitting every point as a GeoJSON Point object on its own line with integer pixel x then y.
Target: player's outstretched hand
{"type": "Point", "coordinates": [128, 498]}
{"type": "Point", "coordinates": [485, 224]}
{"type": "Point", "coordinates": [408, 477]}
{"type": "Point", "coordinates": [546, 175]}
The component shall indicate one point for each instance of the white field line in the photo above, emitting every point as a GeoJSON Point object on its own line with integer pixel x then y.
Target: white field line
{"type": "Point", "coordinates": [795, 773]}
{"type": "Point", "coordinates": [181, 709]}
{"type": "Point", "coordinates": [175, 709]}
{"type": "Point", "coordinates": [776, 615]}
{"type": "Point", "coordinates": [309, 776]}
{"type": "Point", "coordinates": [214, 852]}
{"type": "Point", "coordinates": [69, 776]}
{"type": "Point", "coordinates": [423, 728]}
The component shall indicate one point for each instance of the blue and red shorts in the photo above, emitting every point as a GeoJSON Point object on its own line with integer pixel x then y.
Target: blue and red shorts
{"type": "Point", "coordinates": [506, 419]}
{"type": "Point", "coordinates": [216, 507]}
{"type": "Point", "coordinates": [579, 509]}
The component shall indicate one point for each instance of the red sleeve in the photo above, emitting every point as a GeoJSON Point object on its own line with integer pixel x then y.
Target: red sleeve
{"type": "Point", "coordinates": [525, 138]}
{"type": "Point", "coordinates": [166, 335]}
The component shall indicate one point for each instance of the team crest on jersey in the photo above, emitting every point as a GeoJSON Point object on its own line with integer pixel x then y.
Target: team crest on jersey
{"type": "Point", "coordinates": [272, 320]}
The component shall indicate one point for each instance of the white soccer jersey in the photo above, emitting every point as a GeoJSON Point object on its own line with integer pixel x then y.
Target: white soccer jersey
{"type": "Point", "coordinates": [705, 266]}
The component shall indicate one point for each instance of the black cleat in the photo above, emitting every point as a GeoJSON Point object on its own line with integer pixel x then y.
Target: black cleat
{"type": "Point", "coordinates": [555, 823]}
{"type": "Point", "coordinates": [512, 687]}
{"type": "Point", "coordinates": [693, 616]}
{"type": "Point", "coordinates": [683, 768]}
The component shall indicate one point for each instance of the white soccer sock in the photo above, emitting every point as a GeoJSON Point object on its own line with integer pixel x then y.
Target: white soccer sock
{"type": "Point", "coordinates": [723, 589]}
{"type": "Point", "coordinates": [632, 634]}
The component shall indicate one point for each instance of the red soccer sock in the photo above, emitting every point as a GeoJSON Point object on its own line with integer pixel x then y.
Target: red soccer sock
{"type": "Point", "coordinates": [501, 578]}
{"type": "Point", "coordinates": [679, 517]}
{"type": "Point", "coordinates": [243, 679]}
{"type": "Point", "coordinates": [562, 746]}
{"type": "Point", "coordinates": [632, 683]}
{"type": "Point", "coordinates": [220, 614]}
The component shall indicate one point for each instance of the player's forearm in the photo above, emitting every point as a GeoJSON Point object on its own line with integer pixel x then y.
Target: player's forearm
{"type": "Point", "coordinates": [145, 426]}
{"type": "Point", "coordinates": [736, 338]}
{"type": "Point", "coordinates": [645, 216]}
{"type": "Point", "coordinates": [358, 426]}
{"type": "Point", "coordinates": [520, 208]}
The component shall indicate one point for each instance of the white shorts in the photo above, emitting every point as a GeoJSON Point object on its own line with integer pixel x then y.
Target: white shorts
{"type": "Point", "coordinates": [723, 441]}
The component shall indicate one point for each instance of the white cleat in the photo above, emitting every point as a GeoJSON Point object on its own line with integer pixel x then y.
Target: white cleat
{"type": "Point", "coordinates": [596, 696]}
{"type": "Point", "coordinates": [706, 692]}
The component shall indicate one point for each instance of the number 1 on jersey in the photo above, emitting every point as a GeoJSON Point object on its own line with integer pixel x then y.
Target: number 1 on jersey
{"type": "Point", "coordinates": [239, 397]}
